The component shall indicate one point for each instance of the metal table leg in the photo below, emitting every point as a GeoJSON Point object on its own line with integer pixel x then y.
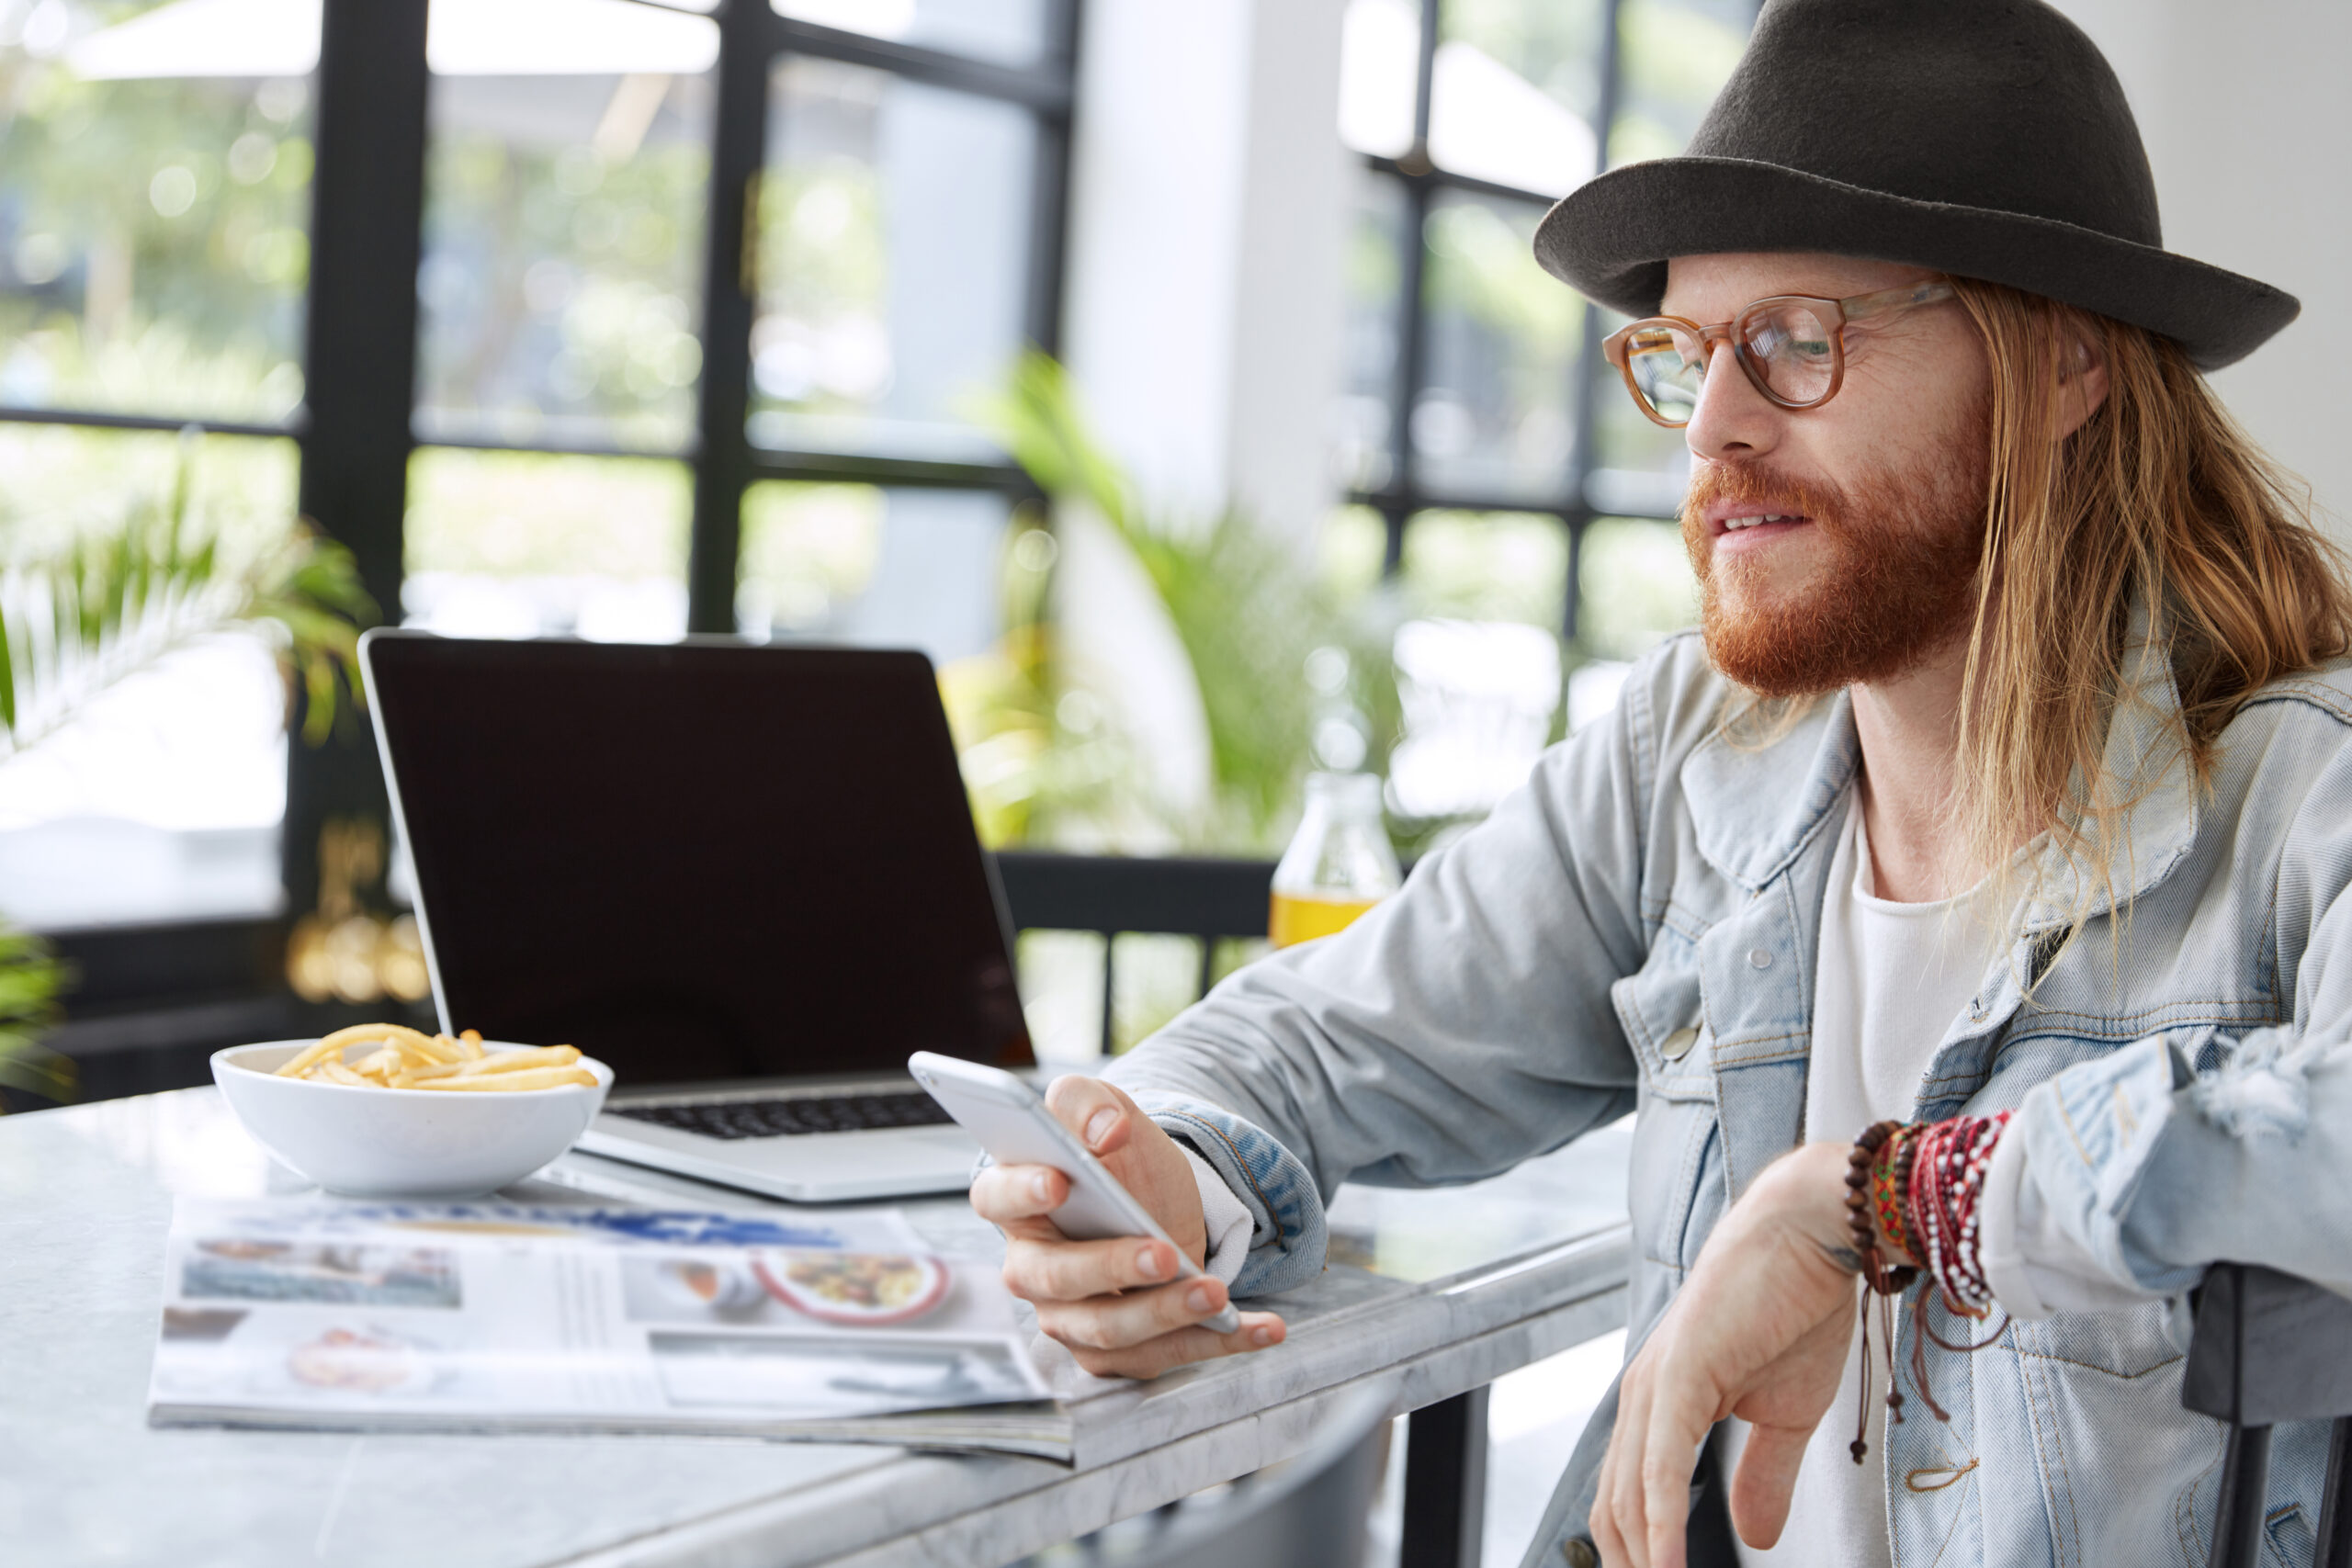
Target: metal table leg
{"type": "Point", "coordinates": [1445, 1484]}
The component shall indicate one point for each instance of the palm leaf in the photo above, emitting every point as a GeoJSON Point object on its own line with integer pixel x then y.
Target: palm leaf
{"type": "Point", "coordinates": [1243, 603]}
{"type": "Point", "coordinates": [119, 599]}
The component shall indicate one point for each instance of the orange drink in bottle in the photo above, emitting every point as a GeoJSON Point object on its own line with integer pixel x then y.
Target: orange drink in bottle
{"type": "Point", "coordinates": [1339, 863]}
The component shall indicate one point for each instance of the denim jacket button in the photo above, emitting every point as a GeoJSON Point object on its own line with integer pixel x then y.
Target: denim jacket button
{"type": "Point", "coordinates": [1760, 958]}
{"type": "Point", "coordinates": [1677, 1046]}
{"type": "Point", "coordinates": [1579, 1554]}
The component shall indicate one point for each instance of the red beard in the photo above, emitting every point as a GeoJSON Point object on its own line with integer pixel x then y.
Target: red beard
{"type": "Point", "coordinates": [1904, 549]}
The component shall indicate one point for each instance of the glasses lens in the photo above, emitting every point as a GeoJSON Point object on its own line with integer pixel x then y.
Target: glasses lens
{"type": "Point", "coordinates": [1668, 368]}
{"type": "Point", "coordinates": [1791, 347]}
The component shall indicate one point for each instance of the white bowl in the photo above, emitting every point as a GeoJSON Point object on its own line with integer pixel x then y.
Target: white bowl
{"type": "Point", "coordinates": [402, 1143]}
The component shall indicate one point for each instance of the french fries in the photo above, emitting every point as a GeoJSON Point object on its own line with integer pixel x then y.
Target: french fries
{"type": "Point", "coordinates": [395, 1056]}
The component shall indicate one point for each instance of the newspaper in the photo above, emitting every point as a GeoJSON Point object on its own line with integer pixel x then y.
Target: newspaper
{"type": "Point", "coordinates": [490, 1316]}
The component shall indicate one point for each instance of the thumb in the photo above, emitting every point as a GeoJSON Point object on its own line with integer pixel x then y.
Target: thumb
{"type": "Point", "coordinates": [1100, 1115]}
{"type": "Point", "coordinates": [1766, 1478]}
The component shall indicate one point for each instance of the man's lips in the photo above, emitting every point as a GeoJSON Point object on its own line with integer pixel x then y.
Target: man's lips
{"type": "Point", "coordinates": [1751, 517]}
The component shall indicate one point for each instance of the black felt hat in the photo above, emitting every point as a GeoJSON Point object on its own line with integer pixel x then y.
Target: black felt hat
{"type": "Point", "coordinates": [1985, 138]}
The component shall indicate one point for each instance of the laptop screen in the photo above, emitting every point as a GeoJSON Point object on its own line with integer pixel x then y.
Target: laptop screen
{"type": "Point", "coordinates": [697, 861]}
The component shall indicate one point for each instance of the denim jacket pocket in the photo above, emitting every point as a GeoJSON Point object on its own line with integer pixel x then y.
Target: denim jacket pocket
{"type": "Point", "coordinates": [2103, 1418]}
{"type": "Point", "coordinates": [2289, 1539]}
{"type": "Point", "coordinates": [2128, 1344]}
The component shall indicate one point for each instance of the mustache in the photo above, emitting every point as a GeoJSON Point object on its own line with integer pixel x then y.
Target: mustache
{"type": "Point", "coordinates": [1760, 485]}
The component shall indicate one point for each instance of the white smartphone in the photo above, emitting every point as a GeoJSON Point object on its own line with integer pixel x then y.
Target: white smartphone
{"type": "Point", "coordinates": [1012, 1122]}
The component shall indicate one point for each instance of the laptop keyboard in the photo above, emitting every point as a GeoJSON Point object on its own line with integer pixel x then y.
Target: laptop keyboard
{"type": "Point", "coordinates": [783, 1118]}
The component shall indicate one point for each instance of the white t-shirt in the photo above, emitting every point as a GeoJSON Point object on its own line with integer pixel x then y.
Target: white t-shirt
{"type": "Point", "coordinates": [1890, 982]}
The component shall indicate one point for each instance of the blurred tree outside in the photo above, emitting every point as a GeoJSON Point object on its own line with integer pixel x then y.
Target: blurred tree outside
{"type": "Point", "coordinates": [154, 233]}
{"type": "Point", "coordinates": [559, 276]}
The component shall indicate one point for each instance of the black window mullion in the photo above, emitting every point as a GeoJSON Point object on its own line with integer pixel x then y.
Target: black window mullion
{"type": "Point", "coordinates": [367, 227]}
{"type": "Point", "coordinates": [730, 287]}
{"type": "Point", "coordinates": [1412, 313]}
{"type": "Point", "coordinates": [848, 467]}
{"type": "Point", "coordinates": [99, 419]}
{"type": "Point", "coordinates": [1049, 196]}
{"type": "Point", "coordinates": [1585, 393]}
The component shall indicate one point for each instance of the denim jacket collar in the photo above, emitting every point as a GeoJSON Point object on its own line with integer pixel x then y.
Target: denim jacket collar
{"type": "Point", "coordinates": [1754, 810]}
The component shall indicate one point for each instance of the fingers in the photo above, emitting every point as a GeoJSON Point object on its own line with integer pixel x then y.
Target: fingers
{"type": "Point", "coordinates": [1678, 1423]}
{"type": "Point", "coordinates": [1115, 1322]}
{"type": "Point", "coordinates": [1046, 1269]}
{"type": "Point", "coordinates": [1259, 1330]}
{"type": "Point", "coordinates": [1617, 1511]}
{"type": "Point", "coordinates": [1764, 1482]}
{"type": "Point", "coordinates": [1007, 1194]}
{"type": "Point", "coordinates": [1097, 1111]}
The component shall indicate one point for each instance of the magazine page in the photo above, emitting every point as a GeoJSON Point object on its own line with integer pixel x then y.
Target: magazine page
{"type": "Point", "coordinates": [473, 1316]}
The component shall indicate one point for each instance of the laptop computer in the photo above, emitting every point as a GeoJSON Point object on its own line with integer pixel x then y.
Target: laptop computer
{"type": "Point", "coordinates": [744, 876]}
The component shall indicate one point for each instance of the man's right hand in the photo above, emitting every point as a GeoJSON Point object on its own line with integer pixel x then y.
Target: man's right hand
{"type": "Point", "coordinates": [1112, 1302]}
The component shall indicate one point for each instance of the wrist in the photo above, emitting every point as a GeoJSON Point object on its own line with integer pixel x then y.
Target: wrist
{"type": "Point", "coordinates": [1807, 1188]}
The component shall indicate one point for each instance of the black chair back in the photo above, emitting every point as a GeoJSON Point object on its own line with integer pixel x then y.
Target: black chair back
{"type": "Point", "coordinates": [1208, 901]}
{"type": "Point", "coordinates": [2269, 1348]}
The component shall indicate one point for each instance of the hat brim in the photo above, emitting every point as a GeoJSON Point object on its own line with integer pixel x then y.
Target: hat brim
{"type": "Point", "coordinates": [1610, 239]}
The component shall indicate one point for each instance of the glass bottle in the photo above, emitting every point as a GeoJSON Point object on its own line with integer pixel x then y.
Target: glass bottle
{"type": "Point", "coordinates": [1339, 863]}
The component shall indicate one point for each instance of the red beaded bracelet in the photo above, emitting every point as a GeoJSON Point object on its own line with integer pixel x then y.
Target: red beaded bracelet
{"type": "Point", "coordinates": [1915, 1193]}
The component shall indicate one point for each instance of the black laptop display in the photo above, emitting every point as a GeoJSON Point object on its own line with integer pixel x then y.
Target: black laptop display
{"type": "Point", "coordinates": [698, 863]}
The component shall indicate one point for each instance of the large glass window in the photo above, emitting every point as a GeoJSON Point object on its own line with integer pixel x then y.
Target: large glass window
{"type": "Point", "coordinates": [565, 195]}
{"type": "Point", "coordinates": [154, 207]}
{"type": "Point", "coordinates": [893, 261]}
{"type": "Point", "coordinates": [527, 544]}
{"type": "Point", "coordinates": [891, 266]}
{"type": "Point", "coordinates": [588, 456]}
{"type": "Point", "coordinates": [155, 177]}
{"type": "Point", "coordinates": [1522, 486]}
{"type": "Point", "coordinates": [856, 563]}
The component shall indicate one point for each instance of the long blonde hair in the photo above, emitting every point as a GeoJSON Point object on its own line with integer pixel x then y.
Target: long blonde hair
{"type": "Point", "coordinates": [2159, 496]}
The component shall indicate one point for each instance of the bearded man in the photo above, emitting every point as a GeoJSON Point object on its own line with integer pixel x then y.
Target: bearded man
{"type": "Point", "coordinates": [2002, 818]}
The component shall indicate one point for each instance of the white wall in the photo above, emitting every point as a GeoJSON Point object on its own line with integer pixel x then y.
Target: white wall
{"type": "Point", "coordinates": [2248, 125]}
{"type": "Point", "coordinates": [1208, 210]}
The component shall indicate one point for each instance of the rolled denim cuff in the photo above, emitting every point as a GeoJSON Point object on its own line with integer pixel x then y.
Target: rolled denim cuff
{"type": "Point", "coordinates": [2088, 1133]}
{"type": "Point", "coordinates": [1287, 1236]}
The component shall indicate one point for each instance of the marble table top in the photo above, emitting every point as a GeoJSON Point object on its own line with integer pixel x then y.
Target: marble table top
{"type": "Point", "coordinates": [1428, 1293]}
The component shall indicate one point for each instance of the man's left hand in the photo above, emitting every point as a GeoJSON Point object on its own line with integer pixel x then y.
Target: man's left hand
{"type": "Point", "coordinates": [1761, 1330]}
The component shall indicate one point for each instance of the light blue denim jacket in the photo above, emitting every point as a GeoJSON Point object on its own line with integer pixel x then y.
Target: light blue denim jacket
{"type": "Point", "coordinates": [2178, 1075]}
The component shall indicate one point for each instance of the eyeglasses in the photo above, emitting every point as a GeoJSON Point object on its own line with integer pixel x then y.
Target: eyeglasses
{"type": "Point", "coordinates": [1792, 347]}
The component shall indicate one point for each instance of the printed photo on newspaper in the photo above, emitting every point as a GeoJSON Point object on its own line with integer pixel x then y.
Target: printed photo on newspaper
{"type": "Point", "coordinates": [485, 1316]}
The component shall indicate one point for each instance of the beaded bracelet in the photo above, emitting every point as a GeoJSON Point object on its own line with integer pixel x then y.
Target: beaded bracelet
{"type": "Point", "coordinates": [1944, 1191]}
{"type": "Point", "coordinates": [1863, 1188]}
{"type": "Point", "coordinates": [1915, 1193]}
{"type": "Point", "coordinates": [1873, 1204]}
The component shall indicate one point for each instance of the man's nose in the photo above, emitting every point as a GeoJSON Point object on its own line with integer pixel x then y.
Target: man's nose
{"type": "Point", "coordinates": [1733, 419]}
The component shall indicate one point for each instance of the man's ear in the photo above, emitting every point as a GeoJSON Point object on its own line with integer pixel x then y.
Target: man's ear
{"type": "Point", "coordinates": [2082, 385]}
